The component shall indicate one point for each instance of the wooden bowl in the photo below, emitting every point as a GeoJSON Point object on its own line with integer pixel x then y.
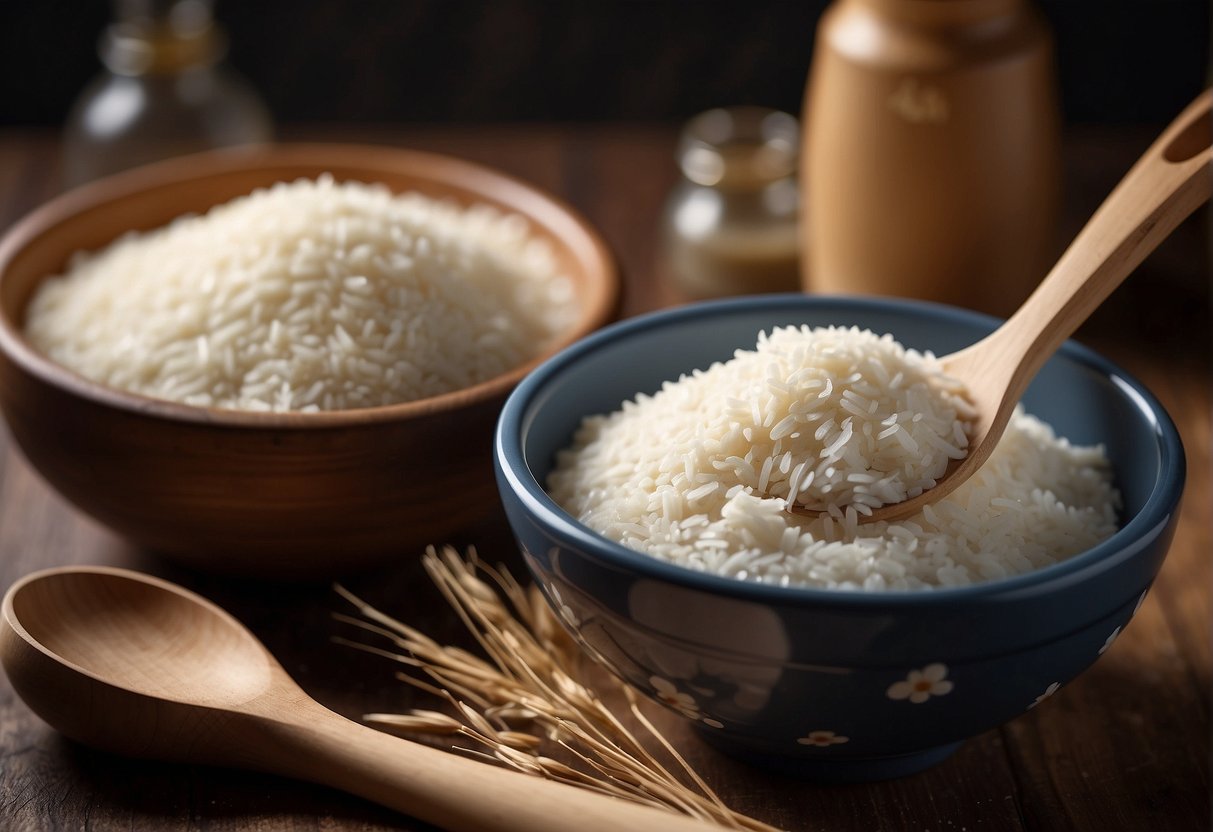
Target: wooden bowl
{"type": "Point", "coordinates": [287, 494]}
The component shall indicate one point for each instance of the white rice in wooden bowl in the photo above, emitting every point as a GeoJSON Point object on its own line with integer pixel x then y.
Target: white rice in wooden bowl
{"type": "Point", "coordinates": [701, 473]}
{"type": "Point", "coordinates": [307, 296]}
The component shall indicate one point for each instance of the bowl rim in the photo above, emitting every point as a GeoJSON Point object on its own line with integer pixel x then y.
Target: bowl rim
{"type": "Point", "coordinates": [1158, 510]}
{"type": "Point", "coordinates": [601, 300]}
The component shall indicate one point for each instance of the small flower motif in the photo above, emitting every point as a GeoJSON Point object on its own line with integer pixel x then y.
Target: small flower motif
{"type": "Point", "coordinates": [1140, 601]}
{"type": "Point", "coordinates": [669, 693]}
{"type": "Point", "coordinates": [921, 685]}
{"type": "Point", "coordinates": [1049, 691]}
{"type": "Point", "coordinates": [1111, 639]}
{"type": "Point", "coordinates": [682, 702]}
{"type": "Point", "coordinates": [823, 739]}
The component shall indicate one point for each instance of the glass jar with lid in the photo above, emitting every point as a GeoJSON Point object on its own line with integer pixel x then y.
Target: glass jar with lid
{"type": "Point", "coordinates": [730, 225]}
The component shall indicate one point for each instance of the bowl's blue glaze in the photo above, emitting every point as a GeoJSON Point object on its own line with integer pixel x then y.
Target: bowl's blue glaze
{"type": "Point", "coordinates": [816, 681]}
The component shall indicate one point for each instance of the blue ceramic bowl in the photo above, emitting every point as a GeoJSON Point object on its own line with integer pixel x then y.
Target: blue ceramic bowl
{"type": "Point", "coordinates": [814, 681]}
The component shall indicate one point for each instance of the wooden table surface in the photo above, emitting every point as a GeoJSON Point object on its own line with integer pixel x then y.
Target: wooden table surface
{"type": "Point", "coordinates": [1124, 747]}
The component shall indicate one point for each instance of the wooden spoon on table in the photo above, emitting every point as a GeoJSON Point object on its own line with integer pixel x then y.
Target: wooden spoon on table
{"type": "Point", "coordinates": [1167, 184]}
{"type": "Point", "coordinates": [135, 665]}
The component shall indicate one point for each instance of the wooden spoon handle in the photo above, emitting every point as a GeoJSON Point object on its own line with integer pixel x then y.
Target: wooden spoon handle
{"type": "Point", "coordinates": [440, 787]}
{"type": "Point", "coordinates": [1167, 184]}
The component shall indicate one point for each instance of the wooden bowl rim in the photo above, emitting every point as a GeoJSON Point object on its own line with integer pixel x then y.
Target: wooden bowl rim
{"type": "Point", "coordinates": [598, 305]}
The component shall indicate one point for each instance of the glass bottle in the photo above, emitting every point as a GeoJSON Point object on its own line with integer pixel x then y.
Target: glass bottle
{"type": "Point", "coordinates": [932, 151]}
{"type": "Point", "coordinates": [165, 92]}
{"type": "Point", "coordinates": [730, 225]}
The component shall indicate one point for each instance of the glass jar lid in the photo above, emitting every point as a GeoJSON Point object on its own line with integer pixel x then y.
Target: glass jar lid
{"type": "Point", "coordinates": [743, 148]}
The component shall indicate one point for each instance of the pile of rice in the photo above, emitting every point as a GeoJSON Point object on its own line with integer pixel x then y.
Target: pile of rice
{"type": "Point", "coordinates": [701, 474]}
{"type": "Point", "coordinates": [308, 296]}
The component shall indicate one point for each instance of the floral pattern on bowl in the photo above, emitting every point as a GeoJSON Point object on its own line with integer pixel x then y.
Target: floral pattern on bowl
{"type": "Point", "coordinates": [787, 673]}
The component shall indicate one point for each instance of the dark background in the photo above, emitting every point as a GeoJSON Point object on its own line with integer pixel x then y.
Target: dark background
{"type": "Point", "coordinates": [396, 61]}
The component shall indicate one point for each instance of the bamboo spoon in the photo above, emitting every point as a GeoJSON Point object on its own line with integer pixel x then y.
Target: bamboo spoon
{"type": "Point", "coordinates": [1167, 184]}
{"type": "Point", "coordinates": [139, 666]}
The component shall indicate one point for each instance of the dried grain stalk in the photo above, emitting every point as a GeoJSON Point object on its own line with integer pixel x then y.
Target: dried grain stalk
{"type": "Point", "coordinates": [529, 705]}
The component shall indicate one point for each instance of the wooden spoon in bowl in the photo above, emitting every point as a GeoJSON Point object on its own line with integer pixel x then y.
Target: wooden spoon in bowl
{"type": "Point", "coordinates": [1167, 184]}
{"type": "Point", "coordinates": [135, 665]}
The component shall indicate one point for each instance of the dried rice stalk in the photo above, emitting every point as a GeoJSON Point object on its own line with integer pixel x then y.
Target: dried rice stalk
{"type": "Point", "coordinates": [529, 700]}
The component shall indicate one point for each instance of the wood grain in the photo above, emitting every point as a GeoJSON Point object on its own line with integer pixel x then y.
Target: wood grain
{"type": "Point", "coordinates": [138, 666]}
{"type": "Point", "coordinates": [1123, 747]}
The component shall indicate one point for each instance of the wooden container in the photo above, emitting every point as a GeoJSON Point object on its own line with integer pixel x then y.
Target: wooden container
{"type": "Point", "coordinates": [289, 494]}
{"type": "Point", "coordinates": [932, 152]}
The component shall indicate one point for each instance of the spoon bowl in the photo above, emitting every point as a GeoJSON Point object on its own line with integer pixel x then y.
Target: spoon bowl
{"type": "Point", "coordinates": [139, 666]}
{"type": "Point", "coordinates": [110, 627]}
{"type": "Point", "coordinates": [130, 666]}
